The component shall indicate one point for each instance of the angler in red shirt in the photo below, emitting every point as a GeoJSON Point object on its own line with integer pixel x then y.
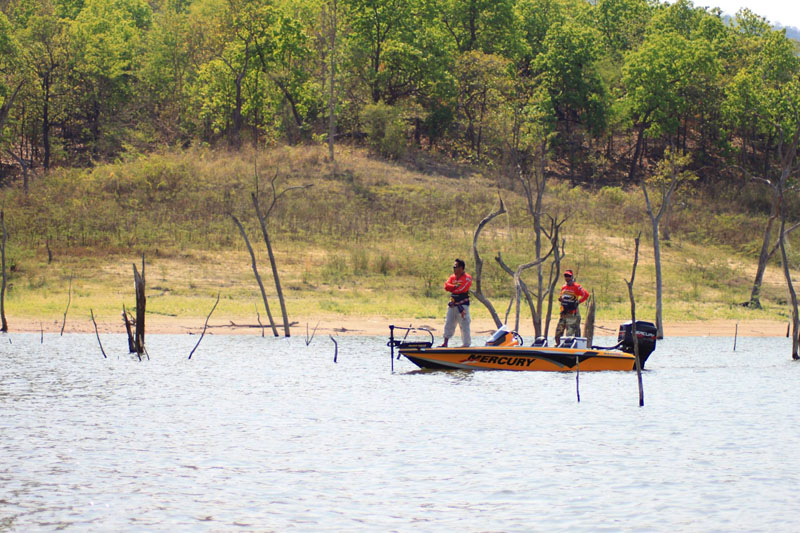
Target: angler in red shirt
{"type": "Point", "coordinates": [572, 295]}
{"type": "Point", "coordinates": [458, 308]}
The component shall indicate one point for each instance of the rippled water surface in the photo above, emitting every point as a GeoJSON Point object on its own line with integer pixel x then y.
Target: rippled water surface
{"type": "Point", "coordinates": [270, 434]}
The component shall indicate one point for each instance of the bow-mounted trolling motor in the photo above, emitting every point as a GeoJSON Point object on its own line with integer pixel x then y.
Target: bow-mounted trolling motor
{"type": "Point", "coordinates": [403, 343]}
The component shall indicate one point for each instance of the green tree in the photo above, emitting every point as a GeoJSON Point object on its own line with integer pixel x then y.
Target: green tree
{"type": "Point", "coordinates": [484, 25]}
{"type": "Point", "coordinates": [46, 52]}
{"type": "Point", "coordinates": [12, 76]}
{"type": "Point", "coordinates": [230, 87]}
{"type": "Point", "coordinates": [569, 73]}
{"type": "Point", "coordinates": [287, 63]}
{"type": "Point", "coordinates": [761, 107]}
{"type": "Point", "coordinates": [659, 79]}
{"type": "Point", "coordinates": [105, 41]}
{"type": "Point", "coordinates": [166, 70]}
{"type": "Point", "coordinates": [621, 24]}
{"type": "Point", "coordinates": [483, 81]}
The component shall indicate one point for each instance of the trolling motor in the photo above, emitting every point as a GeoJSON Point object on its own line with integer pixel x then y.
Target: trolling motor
{"type": "Point", "coordinates": [403, 343]}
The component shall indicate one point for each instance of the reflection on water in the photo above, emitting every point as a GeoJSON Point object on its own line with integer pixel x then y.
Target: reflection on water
{"type": "Point", "coordinates": [270, 434]}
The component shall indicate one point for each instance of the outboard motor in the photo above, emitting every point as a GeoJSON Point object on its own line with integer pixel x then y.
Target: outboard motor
{"type": "Point", "coordinates": [645, 333]}
{"type": "Point", "coordinates": [505, 337]}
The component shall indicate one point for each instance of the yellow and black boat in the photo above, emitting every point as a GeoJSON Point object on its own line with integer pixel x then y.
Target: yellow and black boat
{"type": "Point", "coordinates": [504, 351]}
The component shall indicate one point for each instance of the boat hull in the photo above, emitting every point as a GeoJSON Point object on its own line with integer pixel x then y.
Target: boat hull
{"type": "Point", "coordinates": [520, 358]}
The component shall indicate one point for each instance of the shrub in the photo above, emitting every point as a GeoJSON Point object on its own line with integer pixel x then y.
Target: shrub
{"type": "Point", "coordinates": [385, 130]}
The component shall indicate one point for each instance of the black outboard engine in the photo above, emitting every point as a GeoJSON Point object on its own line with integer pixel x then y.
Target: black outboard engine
{"type": "Point", "coordinates": [645, 333]}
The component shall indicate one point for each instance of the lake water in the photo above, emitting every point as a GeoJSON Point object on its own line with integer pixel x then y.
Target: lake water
{"type": "Point", "coordinates": [271, 435]}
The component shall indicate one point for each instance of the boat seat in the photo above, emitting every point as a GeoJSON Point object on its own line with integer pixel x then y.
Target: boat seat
{"type": "Point", "coordinates": [573, 342]}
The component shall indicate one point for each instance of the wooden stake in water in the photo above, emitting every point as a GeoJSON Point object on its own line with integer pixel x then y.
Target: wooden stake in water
{"type": "Point", "coordinates": [578, 377]}
{"type": "Point", "coordinates": [735, 336]}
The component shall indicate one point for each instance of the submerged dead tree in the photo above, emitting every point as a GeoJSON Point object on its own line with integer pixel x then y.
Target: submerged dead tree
{"type": "Point", "coordinates": [520, 287]}
{"type": "Point", "coordinates": [546, 290]}
{"type": "Point", "coordinates": [262, 220]}
{"type": "Point", "coordinates": [4, 326]}
{"type": "Point", "coordinates": [588, 328]}
{"type": "Point", "coordinates": [668, 176]}
{"type": "Point", "coordinates": [792, 292]}
{"type": "Point", "coordinates": [786, 150]}
{"type": "Point", "coordinates": [476, 278]}
{"type": "Point", "coordinates": [141, 303]}
{"type": "Point", "coordinates": [255, 272]}
{"type": "Point", "coordinates": [633, 322]}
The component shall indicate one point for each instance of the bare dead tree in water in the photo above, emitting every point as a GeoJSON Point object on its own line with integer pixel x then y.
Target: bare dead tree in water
{"type": "Point", "coordinates": [588, 328]}
{"type": "Point", "coordinates": [205, 327]}
{"type": "Point", "coordinates": [633, 322]}
{"type": "Point", "coordinates": [669, 175]}
{"type": "Point", "coordinates": [476, 278]}
{"type": "Point", "coordinates": [778, 187]}
{"type": "Point", "coordinates": [91, 313]}
{"type": "Point", "coordinates": [792, 292]}
{"type": "Point", "coordinates": [255, 272]}
{"type": "Point", "coordinates": [69, 301]}
{"type": "Point", "coordinates": [532, 176]}
{"type": "Point", "coordinates": [521, 287]}
{"type": "Point", "coordinates": [129, 321]}
{"type": "Point", "coordinates": [141, 304]}
{"type": "Point", "coordinates": [4, 327]}
{"type": "Point", "coordinates": [262, 220]}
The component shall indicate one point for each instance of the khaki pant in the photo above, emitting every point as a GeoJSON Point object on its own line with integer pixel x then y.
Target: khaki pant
{"type": "Point", "coordinates": [569, 322]}
{"type": "Point", "coordinates": [453, 318]}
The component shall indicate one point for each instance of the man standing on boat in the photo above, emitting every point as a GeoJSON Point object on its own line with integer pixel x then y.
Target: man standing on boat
{"type": "Point", "coordinates": [572, 295]}
{"type": "Point", "coordinates": [458, 285]}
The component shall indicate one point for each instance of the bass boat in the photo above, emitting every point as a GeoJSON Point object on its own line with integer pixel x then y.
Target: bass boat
{"type": "Point", "coordinates": [505, 351]}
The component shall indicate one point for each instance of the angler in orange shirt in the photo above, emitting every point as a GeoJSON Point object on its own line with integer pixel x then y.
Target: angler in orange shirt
{"type": "Point", "coordinates": [458, 286]}
{"type": "Point", "coordinates": [572, 295]}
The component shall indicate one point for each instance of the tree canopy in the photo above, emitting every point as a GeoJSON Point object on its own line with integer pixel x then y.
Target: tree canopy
{"type": "Point", "coordinates": [608, 84]}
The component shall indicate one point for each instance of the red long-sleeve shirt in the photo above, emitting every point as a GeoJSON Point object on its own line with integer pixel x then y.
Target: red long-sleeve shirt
{"type": "Point", "coordinates": [577, 291]}
{"type": "Point", "coordinates": [458, 285]}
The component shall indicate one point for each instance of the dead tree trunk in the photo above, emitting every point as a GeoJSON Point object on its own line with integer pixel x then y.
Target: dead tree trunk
{"type": "Point", "coordinates": [555, 270]}
{"type": "Point", "coordinates": [262, 219]}
{"type": "Point", "coordinates": [633, 322]}
{"type": "Point", "coordinates": [792, 292]}
{"type": "Point", "coordinates": [69, 301]}
{"type": "Point", "coordinates": [273, 264]}
{"type": "Point", "coordinates": [763, 257]}
{"type": "Point", "coordinates": [787, 155]}
{"type": "Point", "coordinates": [520, 287]}
{"type": "Point", "coordinates": [671, 167]}
{"type": "Point", "coordinates": [128, 324]}
{"type": "Point", "coordinates": [255, 272]}
{"type": "Point", "coordinates": [476, 279]}
{"type": "Point", "coordinates": [588, 328]}
{"type": "Point", "coordinates": [4, 327]}
{"type": "Point", "coordinates": [141, 303]}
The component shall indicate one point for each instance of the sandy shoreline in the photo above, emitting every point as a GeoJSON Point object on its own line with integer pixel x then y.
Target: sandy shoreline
{"type": "Point", "coordinates": [336, 325]}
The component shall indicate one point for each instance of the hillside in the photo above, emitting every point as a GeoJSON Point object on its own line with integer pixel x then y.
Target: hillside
{"type": "Point", "coordinates": [375, 239]}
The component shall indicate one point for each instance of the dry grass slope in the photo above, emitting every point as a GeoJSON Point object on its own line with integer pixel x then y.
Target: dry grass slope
{"type": "Point", "coordinates": [372, 239]}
